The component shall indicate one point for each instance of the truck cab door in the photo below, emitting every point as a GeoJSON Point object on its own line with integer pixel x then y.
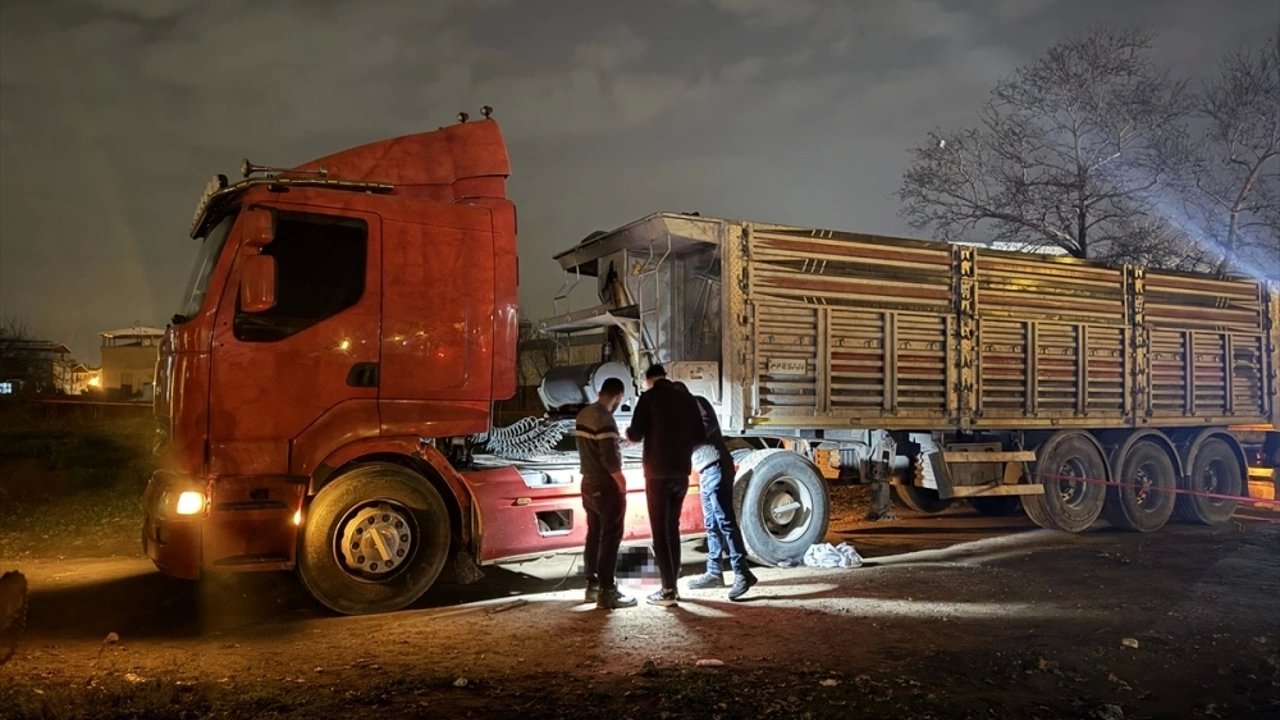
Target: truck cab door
{"type": "Point", "coordinates": [279, 376]}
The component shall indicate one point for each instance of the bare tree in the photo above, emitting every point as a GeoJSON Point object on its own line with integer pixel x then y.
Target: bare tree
{"type": "Point", "coordinates": [16, 356]}
{"type": "Point", "coordinates": [13, 328]}
{"type": "Point", "coordinates": [14, 336]}
{"type": "Point", "coordinates": [1233, 176]}
{"type": "Point", "coordinates": [1066, 154]}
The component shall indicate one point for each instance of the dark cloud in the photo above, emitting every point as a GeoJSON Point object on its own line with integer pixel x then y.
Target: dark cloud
{"type": "Point", "coordinates": [113, 113]}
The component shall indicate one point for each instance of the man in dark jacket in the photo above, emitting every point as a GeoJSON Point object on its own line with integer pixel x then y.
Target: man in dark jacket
{"type": "Point", "coordinates": [715, 484]}
{"type": "Point", "coordinates": [670, 425]}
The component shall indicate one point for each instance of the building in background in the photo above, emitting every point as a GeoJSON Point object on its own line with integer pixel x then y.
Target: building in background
{"type": "Point", "coordinates": [34, 367]}
{"type": "Point", "coordinates": [84, 380]}
{"type": "Point", "coordinates": [129, 362]}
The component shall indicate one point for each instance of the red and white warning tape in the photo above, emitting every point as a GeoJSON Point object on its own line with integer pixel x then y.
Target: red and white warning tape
{"type": "Point", "coordinates": [1177, 491]}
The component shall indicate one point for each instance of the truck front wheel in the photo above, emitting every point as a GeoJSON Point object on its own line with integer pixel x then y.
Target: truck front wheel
{"type": "Point", "coordinates": [782, 506]}
{"type": "Point", "coordinates": [374, 540]}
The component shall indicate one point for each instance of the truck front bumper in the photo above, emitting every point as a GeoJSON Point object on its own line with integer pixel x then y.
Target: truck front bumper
{"type": "Point", "coordinates": [228, 523]}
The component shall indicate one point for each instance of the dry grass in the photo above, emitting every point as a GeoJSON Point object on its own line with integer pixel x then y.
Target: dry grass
{"type": "Point", "coordinates": [71, 483]}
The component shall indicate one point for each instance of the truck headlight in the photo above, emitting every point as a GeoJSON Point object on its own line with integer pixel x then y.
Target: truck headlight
{"type": "Point", "coordinates": [190, 503]}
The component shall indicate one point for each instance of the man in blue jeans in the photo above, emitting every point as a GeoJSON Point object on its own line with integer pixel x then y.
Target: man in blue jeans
{"type": "Point", "coordinates": [716, 473]}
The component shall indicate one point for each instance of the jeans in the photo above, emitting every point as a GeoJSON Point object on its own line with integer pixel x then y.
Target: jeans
{"type": "Point", "coordinates": [665, 496]}
{"type": "Point", "coordinates": [606, 507]}
{"type": "Point", "coordinates": [723, 533]}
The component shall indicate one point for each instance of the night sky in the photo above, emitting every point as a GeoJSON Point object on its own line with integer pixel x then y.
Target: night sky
{"type": "Point", "coordinates": [113, 113]}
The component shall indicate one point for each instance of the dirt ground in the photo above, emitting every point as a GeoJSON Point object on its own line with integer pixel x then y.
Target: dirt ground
{"type": "Point", "coordinates": [952, 616]}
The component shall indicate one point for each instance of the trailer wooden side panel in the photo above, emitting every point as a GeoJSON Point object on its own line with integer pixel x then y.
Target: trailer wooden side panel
{"type": "Point", "coordinates": [1208, 349]}
{"type": "Point", "coordinates": [848, 331]}
{"type": "Point", "coordinates": [843, 330]}
{"type": "Point", "coordinates": [1051, 342]}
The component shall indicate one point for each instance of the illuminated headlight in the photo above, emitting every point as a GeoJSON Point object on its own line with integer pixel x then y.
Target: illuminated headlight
{"type": "Point", "coordinates": [297, 517]}
{"type": "Point", "coordinates": [190, 503]}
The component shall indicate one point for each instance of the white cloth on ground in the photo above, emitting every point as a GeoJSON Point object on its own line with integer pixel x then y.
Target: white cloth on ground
{"type": "Point", "coordinates": [832, 556]}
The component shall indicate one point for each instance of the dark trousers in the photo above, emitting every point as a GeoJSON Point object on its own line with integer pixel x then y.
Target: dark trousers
{"type": "Point", "coordinates": [606, 506]}
{"type": "Point", "coordinates": [715, 484]}
{"type": "Point", "coordinates": [666, 496]}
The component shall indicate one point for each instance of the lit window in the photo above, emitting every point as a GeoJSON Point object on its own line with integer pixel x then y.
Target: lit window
{"type": "Point", "coordinates": [6, 388]}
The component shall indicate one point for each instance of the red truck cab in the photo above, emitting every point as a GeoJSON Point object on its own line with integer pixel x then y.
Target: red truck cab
{"type": "Point", "coordinates": [347, 325]}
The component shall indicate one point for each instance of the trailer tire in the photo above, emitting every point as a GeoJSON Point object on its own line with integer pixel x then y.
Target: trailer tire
{"type": "Point", "coordinates": [1214, 469]}
{"type": "Point", "coordinates": [782, 506]}
{"type": "Point", "coordinates": [997, 505]}
{"type": "Point", "coordinates": [377, 508]}
{"type": "Point", "coordinates": [1068, 504]}
{"type": "Point", "coordinates": [920, 499]}
{"type": "Point", "coordinates": [1147, 507]}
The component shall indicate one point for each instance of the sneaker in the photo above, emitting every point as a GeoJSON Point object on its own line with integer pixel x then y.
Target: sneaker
{"type": "Point", "coordinates": [663, 598]}
{"type": "Point", "coordinates": [707, 580]}
{"type": "Point", "coordinates": [741, 584]}
{"type": "Point", "coordinates": [593, 591]}
{"type": "Point", "coordinates": [612, 599]}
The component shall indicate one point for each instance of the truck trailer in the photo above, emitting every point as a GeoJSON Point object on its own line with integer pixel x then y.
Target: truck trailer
{"type": "Point", "coordinates": [326, 393]}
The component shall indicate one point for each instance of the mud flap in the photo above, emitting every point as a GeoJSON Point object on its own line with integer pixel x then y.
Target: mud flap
{"type": "Point", "coordinates": [464, 568]}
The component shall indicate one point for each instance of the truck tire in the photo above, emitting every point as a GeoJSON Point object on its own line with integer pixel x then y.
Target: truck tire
{"type": "Point", "coordinates": [1215, 469]}
{"type": "Point", "coordinates": [997, 505]}
{"type": "Point", "coordinates": [782, 506]}
{"type": "Point", "coordinates": [920, 499]}
{"type": "Point", "coordinates": [373, 540]}
{"type": "Point", "coordinates": [1144, 498]}
{"type": "Point", "coordinates": [1070, 467]}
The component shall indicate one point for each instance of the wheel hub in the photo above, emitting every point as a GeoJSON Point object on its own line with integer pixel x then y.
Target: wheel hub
{"type": "Point", "coordinates": [1142, 492]}
{"type": "Point", "coordinates": [1071, 482]}
{"type": "Point", "coordinates": [783, 509]}
{"type": "Point", "coordinates": [1211, 478]}
{"type": "Point", "coordinates": [376, 539]}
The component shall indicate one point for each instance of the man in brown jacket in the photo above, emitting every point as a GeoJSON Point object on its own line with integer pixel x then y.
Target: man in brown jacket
{"type": "Point", "coordinates": [604, 495]}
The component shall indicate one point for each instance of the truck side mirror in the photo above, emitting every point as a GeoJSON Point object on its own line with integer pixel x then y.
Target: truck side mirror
{"type": "Point", "coordinates": [259, 227]}
{"type": "Point", "coordinates": [258, 283]}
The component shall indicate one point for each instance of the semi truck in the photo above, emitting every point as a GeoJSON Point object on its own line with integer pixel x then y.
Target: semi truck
{"type": "Point", "coordinates": [325, 394]}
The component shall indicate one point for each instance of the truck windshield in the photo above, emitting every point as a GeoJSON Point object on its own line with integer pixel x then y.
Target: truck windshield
{"type": "Point", "coordinates": [210, 248]}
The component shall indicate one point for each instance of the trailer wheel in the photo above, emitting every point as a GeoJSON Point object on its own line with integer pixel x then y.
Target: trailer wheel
{"type": "Point", "coordinates": [782, 506]}
{"type": "Point", "coordinates": [1216, 470]}
{"type": "Point", "coordinates": [1071, 469]}
{"type": "Point", "coordinates": [374, 540]}
{"type": "Point", "coordinates": [1144, 499]}
{"type": "Point", "coordinates": [997, 505]}
{"type": "Point", "coordinates": [920, 499]}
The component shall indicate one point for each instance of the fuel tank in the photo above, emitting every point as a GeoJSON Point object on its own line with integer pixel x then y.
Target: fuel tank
{"type": "Point", "coordinates": [574, 386]}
